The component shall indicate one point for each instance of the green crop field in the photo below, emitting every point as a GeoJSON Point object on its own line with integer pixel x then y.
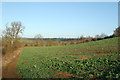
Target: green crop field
{"type": "Point", "coordinates": [98, 59]}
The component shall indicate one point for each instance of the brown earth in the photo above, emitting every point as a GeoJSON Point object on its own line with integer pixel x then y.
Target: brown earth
{"type": "Point", "coordinates": [103, 54]}
{"type": "Point", "coordinates": [9, 69]}
{"type": "Point", "coordinates": [82, 58]}
{"type": "Point", "coordinates": [63, 75]}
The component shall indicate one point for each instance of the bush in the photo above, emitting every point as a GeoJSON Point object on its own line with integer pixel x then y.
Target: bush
{"type": "Point", "coordinates": [117, 32]}
{"type": "Point", "coordinates": [7, 47]}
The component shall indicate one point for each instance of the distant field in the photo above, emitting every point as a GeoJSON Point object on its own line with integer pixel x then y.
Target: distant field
{"type": "Point", "coordinates": [98, 59]}
{"type": "Point", "coordinates": [54, 39]}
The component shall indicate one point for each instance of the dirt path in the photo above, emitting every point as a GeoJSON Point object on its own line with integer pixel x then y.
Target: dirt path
{"type": "Point", "coordinates": [9, 70]}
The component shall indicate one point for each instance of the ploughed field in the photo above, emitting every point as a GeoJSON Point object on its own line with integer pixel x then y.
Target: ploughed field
{"type": "Point", "coordinates": [98, 59]}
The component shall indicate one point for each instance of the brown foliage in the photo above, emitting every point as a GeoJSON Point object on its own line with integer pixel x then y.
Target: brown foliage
{"type": "Point", "coordinates": [50, 42]}
{"type": "Point", "coordinates": [10, 37]}
{"type": "Point", "coordinates": [117, 32]}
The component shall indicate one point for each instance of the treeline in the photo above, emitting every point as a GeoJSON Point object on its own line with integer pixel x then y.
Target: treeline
{"type": "Point", "coordinates": [61, 42]}
{"type": "Point", "coordinates": [54, 39]}
{"type": "Point", "coordinates": [38, 41]}
{"type": "Point", "coordinates": [11, 40]}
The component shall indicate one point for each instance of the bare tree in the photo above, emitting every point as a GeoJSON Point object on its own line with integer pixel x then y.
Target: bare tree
{"type": "Point", "coordinates": [96, 37]}
{"type": "Point", "coordinates": [13, 31]}
{"type": "Point", "coordinates": [10, 37]}
{"type": "Point", "coordinates": [102, 35]}
{"type": "Point", "coordinates": [38, 37]}
{"type": "Point", "coordinates": [81, 37]}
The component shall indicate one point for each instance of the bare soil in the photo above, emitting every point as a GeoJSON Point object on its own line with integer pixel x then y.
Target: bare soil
{"type": "Point", "coordinates": [103, 54]}
{"type": "Point", "coordinates": [63, 75]}
{"type": "Point", "coordinates": [9, 69]}
{"type": "Point", "coordinates": [83, 58]}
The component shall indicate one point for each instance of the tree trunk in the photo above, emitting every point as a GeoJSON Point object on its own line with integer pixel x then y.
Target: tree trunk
{"type": "Point", "coordinates": [12, 42]}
